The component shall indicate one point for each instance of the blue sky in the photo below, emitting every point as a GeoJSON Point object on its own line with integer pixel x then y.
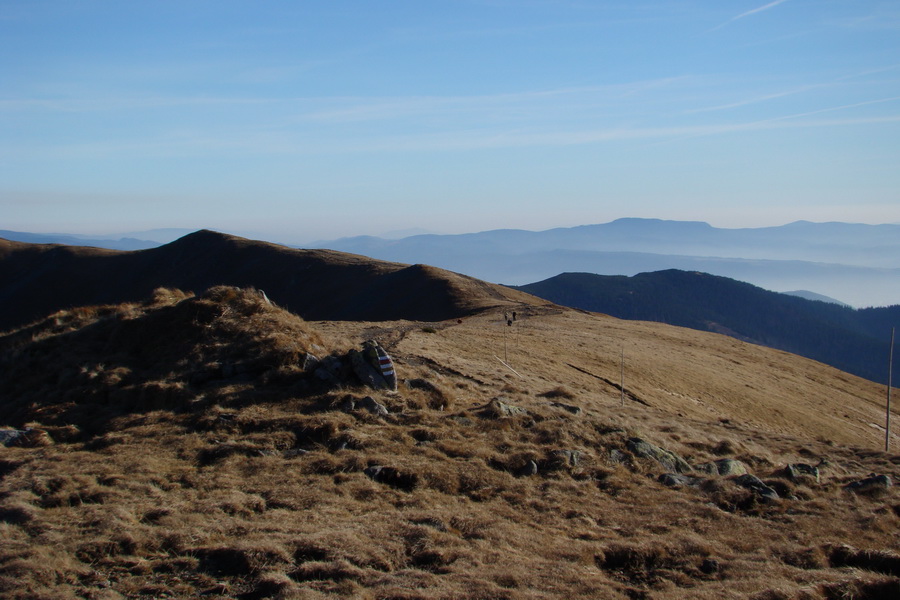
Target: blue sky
{"type": "Point", "coordinates": [298, 121]}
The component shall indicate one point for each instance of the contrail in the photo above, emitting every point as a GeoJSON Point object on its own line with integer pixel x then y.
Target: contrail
{"type": "Point", "coordinates": [758, 9]}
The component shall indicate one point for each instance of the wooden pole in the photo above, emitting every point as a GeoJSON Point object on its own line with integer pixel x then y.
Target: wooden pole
{"type": "Point", "coordinates": [887, 424]}
{"type": "Point", "coordinates": [622, 376]}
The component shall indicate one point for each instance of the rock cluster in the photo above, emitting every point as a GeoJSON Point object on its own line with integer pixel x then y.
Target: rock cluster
{"type": "Point", "coordinates": [371, 366]}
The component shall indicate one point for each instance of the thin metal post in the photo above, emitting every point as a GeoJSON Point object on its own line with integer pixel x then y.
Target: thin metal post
{"type": "Point", "coordinates": [622, 376]}
{"type": "Point", "coordinates": [505, 344]}
{"type": "Point", "coordinates": [887, 424]}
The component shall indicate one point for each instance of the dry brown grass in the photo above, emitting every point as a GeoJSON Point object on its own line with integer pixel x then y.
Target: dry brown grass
{"type": "Point", "coordinates": [258, 484]}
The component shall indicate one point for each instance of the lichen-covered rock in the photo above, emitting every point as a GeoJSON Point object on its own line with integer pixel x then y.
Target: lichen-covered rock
{"type": "Point", "coordinates": [498, 409]}
{"type": "Point", "coordinates": [617, 457]}
{"type": "Point", "coordinates": [669, 460]}
{"type": "Point", "coordinates": [724, 467]}
{"type": "Point", "coordinates": [797, 471]}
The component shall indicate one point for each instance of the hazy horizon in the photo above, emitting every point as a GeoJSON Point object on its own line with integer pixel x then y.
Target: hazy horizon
{"type": "Point", "coordinates": [166, 234]}
{"type": "Point", "coordinates": [325, 120]}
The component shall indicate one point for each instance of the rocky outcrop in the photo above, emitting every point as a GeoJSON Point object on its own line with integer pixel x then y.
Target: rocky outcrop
{"type": "Point", "coordinates": [498, 409]}
{"type": "Point", "coordinates": [756, 485]}
{"type": "Point", "coordinates": [669, 460]}
{"type": "Point", "coordinates": [724, 467]}
{"type": "Point", "coordinates": [679, 480]}
{"type": "Point", "coordinates": [798, 471]}
{"type": "Point", "coordinates": [871, 484]}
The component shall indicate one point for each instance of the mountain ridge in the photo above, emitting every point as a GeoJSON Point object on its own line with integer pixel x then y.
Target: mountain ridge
{"type": "Point", "coordinates": [854, 340]}
{"type": "Point", "coordinates": [858, 264]}
{"type": "Point", "coordinates": [318, 284]}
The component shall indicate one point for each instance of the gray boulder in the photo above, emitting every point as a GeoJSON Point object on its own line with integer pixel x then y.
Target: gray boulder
{"type": "Point", "coordinates": [8, 437]}
{"type": "Point", "coordinates": [329, 369]}
{"type": "Point", "coordinates": [373, 406]}
{"type": "Point", "coordinates": [374, 366]}
{"type": "Point", "coordinates": [309, 362]}
{"type": "Point", "coordinates": [530, 468]}
{"type": "Point", "coordinates": [366, 373]}
{"type": "Point", "coordinates": [724, 467]}
{"type": "Point", "coordinates": [669, 460]}
{"type": "Point", "coordinates": [873, 483]}
{"type": "Point", "coordinates": [755, 484]}
{"type": "Point", "coordinates": [498, 409]}
{"type": "Point", "coordinates": [679, 480]}
{"type": "Point", "coordinates": [617, 457]}
{"type": "Point", "coordinates": [368, 403]}
{"type": "Point", "coordinates": [797, 471]}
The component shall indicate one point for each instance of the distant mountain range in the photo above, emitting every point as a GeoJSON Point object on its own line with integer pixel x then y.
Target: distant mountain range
{"type": "Point", "coordinates": [856, 341]}
{"type": "Point", "coordinates": [138, 240]}
{"type": "Point", "coordinates": [853, 263]}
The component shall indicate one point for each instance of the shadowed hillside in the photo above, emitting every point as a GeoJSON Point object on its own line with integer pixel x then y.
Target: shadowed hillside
{"type": "Point", "coordinates": [219, 446]}
{"type": "Point", "coordinates": [853, 340]}
{"type": "Point", "coordinates": [37, 279]}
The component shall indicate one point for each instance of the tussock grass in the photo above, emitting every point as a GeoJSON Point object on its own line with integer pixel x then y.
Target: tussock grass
{"type": "Point", "coordinates": [208, 463]}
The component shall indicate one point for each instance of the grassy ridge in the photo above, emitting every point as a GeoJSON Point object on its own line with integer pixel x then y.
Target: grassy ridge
{"type": "Point", "coordinates": [856, 341]}
{"type": "Point", "coordinates": [194, 455]}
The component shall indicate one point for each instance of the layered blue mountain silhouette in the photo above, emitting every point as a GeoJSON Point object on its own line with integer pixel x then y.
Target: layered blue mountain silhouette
{"type": "Point", "coordinates": [853, 263]}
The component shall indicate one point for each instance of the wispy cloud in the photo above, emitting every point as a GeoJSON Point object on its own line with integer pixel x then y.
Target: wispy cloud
{"type": "Point", "coordinates": [247, 143]}
{"type": "Point", "coordinates": [105, 104]}
{"type": "Point", "coordinates": [836, 108]}
{"type": "Point", "coordinates": [754, 100]}
{"type": "Point", "coordinates": [750, 12]}
{"type": "Point", "coordinates": [759, 9]}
